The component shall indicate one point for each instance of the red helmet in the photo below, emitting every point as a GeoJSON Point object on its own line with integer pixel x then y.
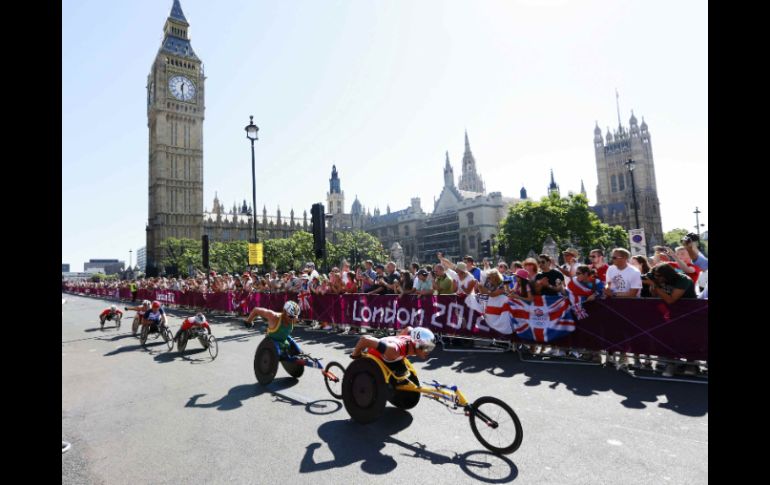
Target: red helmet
{"type": "Point", "coordinates": [155, 304]}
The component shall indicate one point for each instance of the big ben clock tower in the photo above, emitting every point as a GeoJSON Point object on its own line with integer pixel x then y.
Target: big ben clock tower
{"type": "Point", "coordinates": [175, 107]}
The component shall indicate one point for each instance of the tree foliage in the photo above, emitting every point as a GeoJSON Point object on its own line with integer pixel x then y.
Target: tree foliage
{"type": "Point", "coordinates": [568, 220]}
{"type": "Point", "coordinates": [283, 254]}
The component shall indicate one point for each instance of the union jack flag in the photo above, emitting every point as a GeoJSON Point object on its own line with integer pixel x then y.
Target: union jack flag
{"type": "Point", "coordinates": [577, 294]}
{"type": "Point", "coordinates": [544, 319]}
{"type": "Point", "coordinates": [304, 300]}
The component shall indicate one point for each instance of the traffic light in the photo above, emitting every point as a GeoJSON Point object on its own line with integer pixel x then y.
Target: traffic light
{"type": "Point", "coordinates": [501, 248]}
{"type": "Point", "coordinates": [486, 248]}
{"type": "Point", "coordinates": [318, 219]}
{"type": "Point", "coordinates": [205, 250]}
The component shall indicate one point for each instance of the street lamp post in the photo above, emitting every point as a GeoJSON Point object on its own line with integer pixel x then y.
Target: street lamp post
{"type": "Point", "coordinates": [631, 165]}
{"type": "Point", "coordinates": [697, 221]}
{"type": "Point", "coordinates": [251, 134]}
{"type": "Point", "coordinates": [129, 257]}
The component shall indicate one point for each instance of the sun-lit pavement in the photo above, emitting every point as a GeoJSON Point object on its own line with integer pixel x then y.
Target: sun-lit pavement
{"type": "Point", "coordinates": [153, 416]}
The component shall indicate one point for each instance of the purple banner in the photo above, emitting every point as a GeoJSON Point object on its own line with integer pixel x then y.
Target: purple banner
{"type": "Point", "coordinates": [642, 326]}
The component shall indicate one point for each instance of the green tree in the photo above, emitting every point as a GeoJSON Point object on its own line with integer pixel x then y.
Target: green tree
{"type": "Point", "coordinates": [180, 253]}
{"type": "Point", "coordinates": [229, 256]}
{"type": "Point", "coordinates": [356, 246]}
{"type": "Point", "coordinates": [672, 237]}
{"type": "Point", "coordinates": [568, 220]}
{"type": "Point", "coordinates": [289, 253]}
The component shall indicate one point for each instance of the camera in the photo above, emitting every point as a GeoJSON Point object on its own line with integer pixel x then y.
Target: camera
{"type": "Point", "coordinates": [691, 237]}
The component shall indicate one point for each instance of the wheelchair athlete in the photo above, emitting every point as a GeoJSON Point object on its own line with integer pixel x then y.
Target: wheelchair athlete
{"type": "Point", "coordinates": [198, 320]}
{"type": "Point", "coordinates": [392, 349]}
{"type": "Point", "coordinates": [279, 327]}
{"type": "Point", "coordinates": [109, 314]}
{"type": "Point", "coordinates": [155, 317]}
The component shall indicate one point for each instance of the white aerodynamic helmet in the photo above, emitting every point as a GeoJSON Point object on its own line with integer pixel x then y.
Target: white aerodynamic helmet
{"type": "Point", "coordinates": [113, 307]}
{"type": "Point", "coordinates": [423, 338]}
{"type": "Point", "coordinates": [200, 318]}
{"type": "Point", "coordinates": [291, 308]}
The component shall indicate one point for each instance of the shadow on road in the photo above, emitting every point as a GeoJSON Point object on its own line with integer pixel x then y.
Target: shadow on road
{"type": "Point", "coordinates": [351, 442]}
{"type": "Point", "coordinates": [235, 396]}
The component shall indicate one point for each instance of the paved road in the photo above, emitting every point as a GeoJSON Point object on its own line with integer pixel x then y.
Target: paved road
{"type": "Point", "coordinates": [152, 416]}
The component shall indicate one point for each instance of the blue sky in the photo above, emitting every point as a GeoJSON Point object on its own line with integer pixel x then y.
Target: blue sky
{"type": "Point", "coordinates": [382, 89]}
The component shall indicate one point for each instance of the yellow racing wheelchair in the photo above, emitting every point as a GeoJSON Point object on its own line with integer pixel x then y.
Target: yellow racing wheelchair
{"type": "Point", "coordinates": [369, 383]}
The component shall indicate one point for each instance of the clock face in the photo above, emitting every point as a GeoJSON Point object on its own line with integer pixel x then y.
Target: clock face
{"type": "Point", "coordinates": [181, 88]}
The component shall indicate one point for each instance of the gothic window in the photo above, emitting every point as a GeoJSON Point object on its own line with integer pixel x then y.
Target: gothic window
{"type": "Point", "coordinates": [471, 242]}
{"type": "Point", "coordinates": [470, 218]}
{"type": "Point", "coordinates": [406, 230]}
{"type": "Point", "coordinates": [613, 182]}
{"type": "Point", "coordinates": [226, 234]}
{"type": "Point", "coordinates": [622, 182]}
{"type": "Point", "coordinates": [463, 243]}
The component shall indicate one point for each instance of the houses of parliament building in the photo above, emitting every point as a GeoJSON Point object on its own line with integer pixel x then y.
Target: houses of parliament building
{"type": "Point", "coordinates": [461, 218]}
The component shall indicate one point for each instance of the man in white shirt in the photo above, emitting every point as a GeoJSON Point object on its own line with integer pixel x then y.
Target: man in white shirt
{"type": "Point", "coordinates": [623, 280]}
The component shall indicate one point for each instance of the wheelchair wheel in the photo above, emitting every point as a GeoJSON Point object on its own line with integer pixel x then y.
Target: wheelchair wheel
{"type": "Point", "coordinates": [117, 323]}
{"type": "Point", "coordinates": [168, 336]}
{"type": "Point", "coordinates": [143, 335]}
{"type": "Point", "coordinates": [334, 386]}
{"type": "Point", "coordinates": [203, 338]}
{"type": "Point", "coordinates": [406, 399]}
{"type": "Point", "coordinates": [135, 327]}
{"type": "Point", "coordinates": [292, 368]}
{"type": "Point", "coordinates": [182, 343]}
{"type": "Point", "coordinates": [213, 347]}
{"type": "Point", "coordinates": [265, 362]}
{"type": "Point", "coordinates": [497, 423]}
{"type": "Point", "coordinates": [364, 391]}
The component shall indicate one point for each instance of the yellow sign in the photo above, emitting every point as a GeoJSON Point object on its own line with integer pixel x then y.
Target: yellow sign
{"type": "Point", "coordinates": [256, 254]}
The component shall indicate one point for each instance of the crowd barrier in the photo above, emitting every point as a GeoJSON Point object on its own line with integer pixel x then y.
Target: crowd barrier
{"type": "Point", "coordinates": [640, 326]}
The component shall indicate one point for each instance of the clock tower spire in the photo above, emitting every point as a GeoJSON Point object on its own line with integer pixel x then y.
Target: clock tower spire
{"type": "Point", "coordinates": [175, 107]}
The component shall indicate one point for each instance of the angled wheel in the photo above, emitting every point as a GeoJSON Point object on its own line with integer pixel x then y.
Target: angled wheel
{"type": "Point", "coordinates": [292, 368]}
{"type": "Point", "coordinates": [168, 336]}
{"type": "Point", "coordinates": [495, 425]}
{"type": "Point", "coordinates": [143, 335]}
{"type": "Point", "coordinates": [182, 342]}
{"type": "Point", "coordinates": [265, 362]}
{"type": "Point", "coordinates": [333, 375]}
{"type": "Point", "coordinates": [364, 391]}
{"type": "Point", "coordinates": [135, 327]}
{"type": "Point", "coordinates": [213, 347]}
{"type": "Point", "coordinates": [117, 323]}
{"type": "Point", "coordinates": [406, 399]}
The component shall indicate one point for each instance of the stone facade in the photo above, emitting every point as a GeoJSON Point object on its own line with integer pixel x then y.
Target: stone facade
{"type": "Point", "coordinates": [614, 196]}
{"type": "Point", "coordinates": [461, 218]}
{"type": "Point", "coordinates": [175, 113]}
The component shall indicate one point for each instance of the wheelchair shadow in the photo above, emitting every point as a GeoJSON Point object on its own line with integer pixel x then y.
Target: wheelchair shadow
{"type": "Point", "coordinates": [351, 442]}
{"type": "Point", "coordinates": [131, 348]}
{"type": "Point", "coordinates": [235, 396]}
{"type": "Point", "coordinates": [239, 337]}
{"type": "Point", "coordinates": [118, 337]}
{"type": "Point", "coordinates": [173, 355]}
{"type": "Point", "coordinates": [319, 407]}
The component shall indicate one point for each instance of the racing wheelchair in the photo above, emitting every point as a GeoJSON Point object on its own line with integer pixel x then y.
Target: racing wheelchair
{"type": "Point", "coordinates": [369, 383]}
{"type": "Point", "coordinates": [116, 317]}
{"type": "Point", "coordinates": [207, 340]}
{"type": "Point", "coordinates": [294, 361]}
{"type": "Point", "coordinates": [153, 328]}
